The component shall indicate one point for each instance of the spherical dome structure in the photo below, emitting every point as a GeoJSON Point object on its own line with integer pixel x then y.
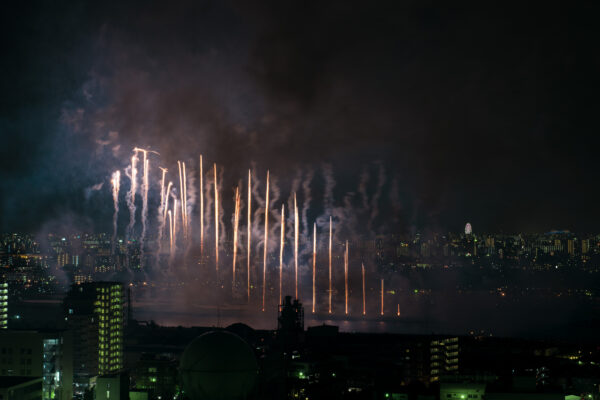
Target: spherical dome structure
{"type": "Point", "coordinates": [218, 365]}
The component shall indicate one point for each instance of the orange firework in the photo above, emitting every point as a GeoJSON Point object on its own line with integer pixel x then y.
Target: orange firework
{"type": "Point", "coordinates": [236, 219]}
{"type": "Point", "coordinates": [216, 222]}
{"type": "Point", "coordinates": [346, 276]}
{"type": "Point", "coordinates": [382, 297]}
{"type": "Point", "coordinates": [364, 291]}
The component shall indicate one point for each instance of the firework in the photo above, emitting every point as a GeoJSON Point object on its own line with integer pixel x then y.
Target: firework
{"type": "Point", "coordinates": [398, 312]}
{"type": "Point", "coordinates": [314, 269]}
{"type": "Point", "coordinates": [201, 209]}
{"type": "Point", "coordinates": [281, 244]}
{"type": "Point", "coordinates": [161, 208]}
{"type": "Point", "coordinates": [131, 195]}
{"type": "Point", "coordinates": [382, 296]}
{"type": "Point", "coordinates": [264, 287]}
{"type": "Point", "coordinates": [330, 234]}
{"type": "Point", "coordinates": [364, 293]}
{"type": "Point", "coordinates": [236, 219]}
{"type": "Point", "coordinates": [346, 278]}
{"type": "Point", "coordinates": [296, 222]}
{"type": "Point", "coordinates": [171, 233]}
{"type": "Point", "coordinates": [116, 183]}
{"type": "Point", "coordinates": [249, 228]}
{"type": "Point", "coordinates": [216, 221]}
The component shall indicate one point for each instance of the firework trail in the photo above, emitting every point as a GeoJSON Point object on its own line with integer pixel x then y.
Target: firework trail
{"type": "Point", "coordinates": [307, 198]}
{"type": "Point", "coordinates": [236, 220]}
{"type": "Point", "coordinates": [166, 207]}
{"type": "Point", "coordinates": [184, 214]}
{"type": "Point", "coordinates": [314, 268]}
{"type": "Point", "coordinates": [330, 234]}
{"type": "Point", "coordinates": [201, 208]}
{"type": "Point", "coordinates": [175, 208]}
{"type": "Point", "coordinates": [116, 183]}
{"type": "Point", "coordinates": [266, 245]}
{"type": "Point", "coordinates": [216, 221]}
{"type": "Point", "coordinates": [131, 195]}
{"type": "Point", "coordinates": [161, 209]}
{"type": "Point", "coordinates": [144, 208]}
{"type": "Point", "coordinates": [398, 312]}
{"type": "Point", "coordinates": [181, 196]}
{"type": "Point", "coordinates": [364, 292]}
{"type": "Point", "coordinates": [346, 277]}
{"type": "Point", "coordinates": [171, 249]}
{"type": "Point", "coordinates": [381, 296]}
{"type": "Point", "coordinates": [281, 244]}
{"type": "Point", "coordinates": [296, 222]}
{"type": "Point", "coordinates": [249, 228]}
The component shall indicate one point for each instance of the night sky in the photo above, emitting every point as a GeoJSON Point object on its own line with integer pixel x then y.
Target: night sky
{"type": "Point", "coordinates": [478, 112]}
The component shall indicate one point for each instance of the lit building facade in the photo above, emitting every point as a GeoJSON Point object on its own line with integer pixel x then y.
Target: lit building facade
{"type": "Point", "coordinates": [444, 357]}
{"type": "Point", "coordinates": [94, 311]}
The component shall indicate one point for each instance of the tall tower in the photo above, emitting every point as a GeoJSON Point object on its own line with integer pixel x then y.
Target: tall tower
{"type": "Point", "coordinates": [94, 312]}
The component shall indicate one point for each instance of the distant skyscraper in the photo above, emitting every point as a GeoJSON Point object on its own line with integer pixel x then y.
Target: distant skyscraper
{"type": "Point", "coordinates": [468, 229]}
{"type": "Point", "coordinates": [94, 312]}
{"type": "Point", "coordinates": [3, 305]}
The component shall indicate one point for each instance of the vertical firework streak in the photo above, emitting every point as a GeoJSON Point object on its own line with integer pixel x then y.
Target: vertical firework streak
{"type": "Point", "coordinates": [184, 214]}
{"type": "Point", "coordinates": [281, 244]}
{"type": "Point", "coordinates": [166, 207]}
{"type": "Point", "coordinates": [175, 208]}
{"type": "Point", "coordinates": [398, 313]}
{"type": "Point", "coordinates": [170, 234]}
{"type": "Point", "coordinates": [249, 229]}
{"type": "Point", "coordinates": [296, 222]}
{"type": "Point", "coordinates": [266, 245]}
{"type": "Point", "coordinates": [181, 196]}
{"type": "Point", "coordinates": [381, 296]}
{"type": "Point", "coordinates": [314, 268]}
{"type": "Point", "coordinates": [116, 183]}
{"type": "Point", "coordinates": [330, 234]}
{"type": "Point", "coordinates": [216, 222]}
{"type": "Point", "coordinates": [201, 209]}
{"type": "Point", "coordinates": [161, 209]}
{"type": "Point", "coordinates": [346, 278]}
{"type": "Point", "coordinates": [144, 206]}
{"type": "Point", "coordinates": [364, 292]}
{"type": "Point", "coordinates": [131, 195]}
{"type": "Point", "coordinates": [236, 219]}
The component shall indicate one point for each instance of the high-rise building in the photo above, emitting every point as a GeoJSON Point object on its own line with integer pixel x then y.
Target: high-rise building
{"type": "Point", "coordinates": [585, 246]}
{"type": "Point", "coordinates": [3, 305]}
{"type": "Point", "coordinates": [46, 354]}
{"type": "Point", "coordinates": [94, 311]}
{"type": "Point", "coordinates": [444, 357]}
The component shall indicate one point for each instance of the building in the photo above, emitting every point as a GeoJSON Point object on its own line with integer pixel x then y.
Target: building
{"type": "Point", "coordinates": [444, 357]}
{"type": "Point", "coordinates": [156, 374]}
{"type": "Point", "coordinates": [94, 311]}
{"type": "Point", "coordinates": [20, 388]}
{"type": "Point", "coordinates": [112, 387]}
{"type": "Point", "coordinates": [46, 354]}
{"type": "Point", "coordinates": [3, 305]}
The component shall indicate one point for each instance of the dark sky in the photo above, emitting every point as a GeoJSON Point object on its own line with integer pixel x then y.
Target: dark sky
{"type": "Point", "coordinates": [473, 112]}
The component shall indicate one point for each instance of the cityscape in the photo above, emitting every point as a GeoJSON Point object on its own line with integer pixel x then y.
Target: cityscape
{"type": "Point", "coordinates": [228, 200]}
